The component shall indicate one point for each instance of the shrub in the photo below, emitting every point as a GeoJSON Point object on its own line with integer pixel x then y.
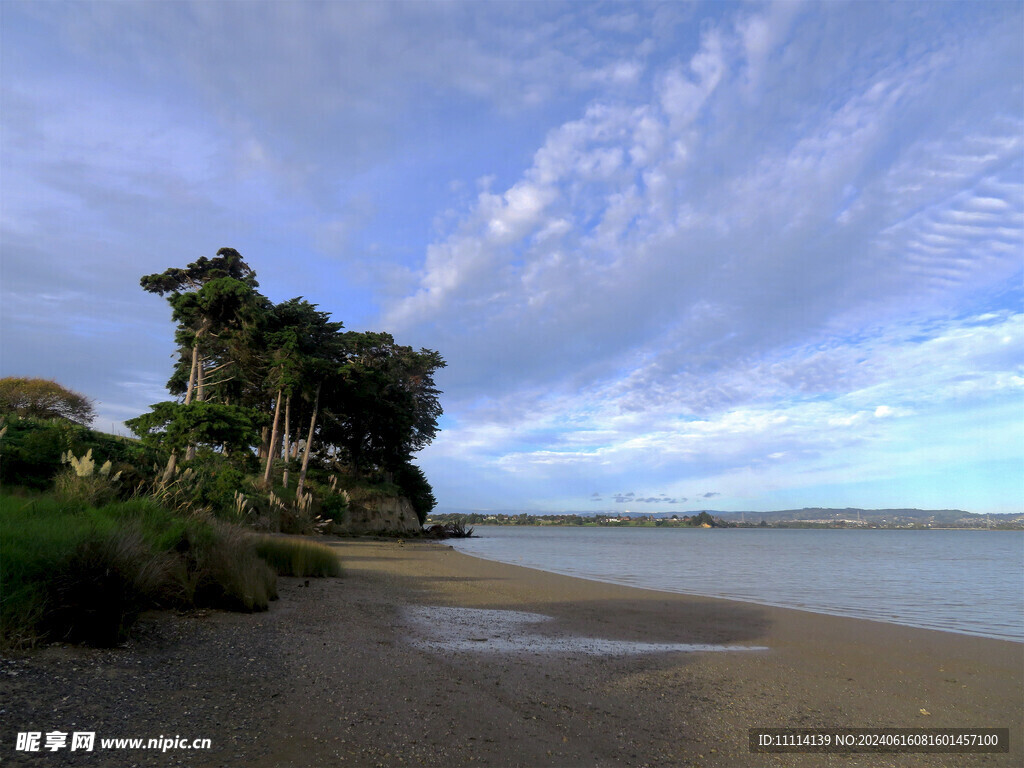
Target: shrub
{"type": "Point", "coordinates": [215, 481]}
{"type": "Point", "coordinates": [102, 586]}
{"type": "Point", "coordinates": [334, 506]}
{"type": "Point", "coordinates": [83, 575]}
{"type": "Point", "coordinates": [34, 538]}
{"type": "Point", "coordinates": [227, 572]}
{"type": "Point", "coordinates": [32, 451]}
{"type": "Point", "coordinates": [416, 488]}
{"type": "Point", "coordinates": [73, 576]}
{"type": "Point", "coordinates": [43, 399]}
{"type": "Point", "coordinates": [450, 530]}
{"type": "Point", "coordinates": [298, 557]}
{"type": "Point", "coordinates": [83, 484]}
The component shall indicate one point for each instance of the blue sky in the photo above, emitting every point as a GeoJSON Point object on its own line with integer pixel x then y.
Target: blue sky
{"type": "Point", "coordinates": [677, 256]}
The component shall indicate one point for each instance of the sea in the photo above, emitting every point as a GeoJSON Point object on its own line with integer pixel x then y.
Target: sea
{"type": "Point", "coordinates": [966, 581]}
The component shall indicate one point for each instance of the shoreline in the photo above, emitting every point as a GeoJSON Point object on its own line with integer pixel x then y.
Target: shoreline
{"type": "Point", "coordinates": [333, 674]}
{"type": "Point", "coordinates": [744, 601]}
{"type": "Point", "coordinates": [924, 596]}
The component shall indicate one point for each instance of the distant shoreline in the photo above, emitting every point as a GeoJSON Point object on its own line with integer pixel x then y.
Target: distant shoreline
{"type": "Point", "coordinates": [835, 519]}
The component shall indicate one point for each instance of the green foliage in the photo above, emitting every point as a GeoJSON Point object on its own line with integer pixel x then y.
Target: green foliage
{"type": "Point", "coordinates": [360, 490]}
{"type": "Point", "coordinates": [298, 557]}
{"type": "Point", "coordinates": [32, 451]}
{"type": "Point", "coordinates": [43, 399]}
{"type": "Point", "coordinates": [219, 481]}
{"type": "Point", "coordinates": [35, 538]}
{"type": "Point", "coordinates": [702, 519]}
{"type": "Point", "coordinates": [243, 361]}
{"type": "Point", "coordinates": [226, 572]}
{"type": "Point", "coordinates": [415, 487]}
{"type": "Point", "coordinates": [83, 484]}
{"type": "Point", "coordinates": [174, 426]}
{"type": "Point", "coordinates": [227, 263]}
{"type": "Point", "coordinates": [103, 584]}
{"type": "Point", "coordinates": [83, 575]}
{"type": "Point", "coordinates": [77, 492]}
{"type": "Point", "coordinates": [384, 406]}
{"type": "Point", "coordinates": [333, 506]}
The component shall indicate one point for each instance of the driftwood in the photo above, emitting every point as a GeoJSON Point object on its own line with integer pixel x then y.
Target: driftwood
{"type": "Point", "coordinates": [447, 531]}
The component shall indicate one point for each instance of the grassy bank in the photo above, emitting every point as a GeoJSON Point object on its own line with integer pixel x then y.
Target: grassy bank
{"type": "Point", "coordinates": [81, 573]}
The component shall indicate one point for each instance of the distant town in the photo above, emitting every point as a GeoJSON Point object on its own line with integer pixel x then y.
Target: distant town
{"type": "Point", "coordinates": [801, 518]}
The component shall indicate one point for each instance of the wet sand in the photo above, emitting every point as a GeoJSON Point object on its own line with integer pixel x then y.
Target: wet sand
{"type": "Point", "coordinates": [520, 668]}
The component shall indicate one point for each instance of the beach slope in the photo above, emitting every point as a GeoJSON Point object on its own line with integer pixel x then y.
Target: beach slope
{"type": "Point", "coordinates": [424, 656]}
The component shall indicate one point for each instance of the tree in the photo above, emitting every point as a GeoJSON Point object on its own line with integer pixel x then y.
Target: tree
{"type": "Point", "coordinates": [385, 406]}
{"type": "Point", "coordinates": [304, 348]}
{"type": "Point", "coordinates": [44, 399]}
{"type": "Point", "coordinates": [212, 300]}
{"type": "Point", "coordinates": [415, 487]}
{"type": "Point", "coordinates": [703, 519]}
{"type": "Point", "coordinates": [206, 297]}
{"type": "Point", "coordinates": [174, 425]}
{"type": "Point", "coordinates": [246, 365]}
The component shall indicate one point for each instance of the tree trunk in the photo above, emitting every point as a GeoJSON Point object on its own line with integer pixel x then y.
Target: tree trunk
{"type": "Point", "coordinates": [200, 383]}
{"type": "Point", "coordinates": [193, 371]}
{"type": "Point", "coordinates": [264, 443]}
{"type": "Point", "coordinates": [172, 462]}
{"type": "Point", "coordinates": [190, 452]}
{"type": "Point", "coordinates": [309, 444]}
{"type": "Point", "coordinates": [272, 449]}
{"type": "Point", "coordinates": [287, 426]}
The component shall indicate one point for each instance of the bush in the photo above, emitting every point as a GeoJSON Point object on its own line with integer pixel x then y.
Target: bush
{"type": "Point", "coordinates": [216, 480]}
{"type": "Point", "coordinates": [82, 484]}
{"type": "Point", "coordinates": [43, 399]}
{"type": "Point", "coordinates": [298, 557]}
{"type": "Point", "coordinates": [83, 574]}
{"type": "Point", "coordinates": [31, 451]}
{"type": "Point", "coordinates": [227, 572]}
{"type": "Point", "coordinates": [99, 590]}
{"type": "Point", "coordinates": [34, 539]}
{"type": "Point", "coordinates": [450, 530]}
{"type": "Point", "coordinates": [334, 506]}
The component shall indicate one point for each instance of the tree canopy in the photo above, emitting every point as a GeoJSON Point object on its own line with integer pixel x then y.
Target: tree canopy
{"type": "Point", "coordinates": [284, 381]}
{"type": "Point", "coordinates": [44, 399]}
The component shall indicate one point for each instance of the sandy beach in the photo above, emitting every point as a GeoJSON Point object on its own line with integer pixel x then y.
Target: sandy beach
{"type": "Point", "coordinates": [423, 656]}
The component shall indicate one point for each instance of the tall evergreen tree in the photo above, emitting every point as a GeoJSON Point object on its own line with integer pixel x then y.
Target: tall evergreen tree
{"type": "Point", "coordinates": [210, 299]}
{"type": "Point", "coordinates": [247, 364]}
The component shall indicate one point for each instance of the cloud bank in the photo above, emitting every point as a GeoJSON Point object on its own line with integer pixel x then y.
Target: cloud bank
{"type": "Point", "coordinates": [770, 250]}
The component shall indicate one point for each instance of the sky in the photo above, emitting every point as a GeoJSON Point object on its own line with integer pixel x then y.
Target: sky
{"type": "Point", "coordinates": [677, 256]}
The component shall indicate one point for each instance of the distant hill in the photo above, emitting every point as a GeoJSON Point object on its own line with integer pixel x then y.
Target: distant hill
{"type": "Point", "coordinates": [809, 514]}
{"type": "Point", "coordinates": [850, 514]}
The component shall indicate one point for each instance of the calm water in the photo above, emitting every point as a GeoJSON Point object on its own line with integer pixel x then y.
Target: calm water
{"type": "Point", "coordinates": [961, 581]}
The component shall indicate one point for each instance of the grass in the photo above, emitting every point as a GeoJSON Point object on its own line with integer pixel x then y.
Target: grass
{"type": "Point", "coordinates": [82, 574]}
{"type": "Point", "coordinates": [298, 557]}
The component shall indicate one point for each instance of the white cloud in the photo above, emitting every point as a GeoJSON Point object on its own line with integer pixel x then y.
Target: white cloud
{"type": "Point", "coordinates": [706, 240]}
{"type": "Point", "coordinates": [808, 407]}
{"type": "Point", "coordinates": [681, 95]}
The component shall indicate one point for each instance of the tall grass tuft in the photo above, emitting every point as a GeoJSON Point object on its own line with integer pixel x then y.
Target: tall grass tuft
{"type": "Point", "coordinates": [34, 538]}
{"type": "Point", "coordinates": [82, 484]}
{"type": "Point", "coordinates": [298, 557]}
{"type": "Point", "coordinates": [230, 574]}
{"type": "Point", "coordinates": [82, 574]}
{"type": "Point", "coordinates": [102, 586]}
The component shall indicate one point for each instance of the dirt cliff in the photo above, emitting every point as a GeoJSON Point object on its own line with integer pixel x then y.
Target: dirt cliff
{"type": "Point", "coordinates": [388, 514]}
